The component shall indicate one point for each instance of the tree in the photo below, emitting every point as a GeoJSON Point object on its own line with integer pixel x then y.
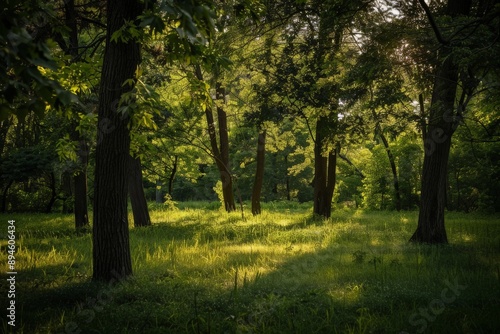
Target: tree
{"type": "Point", "coordinates": [306, 63]}
{"type": "Point", "coordinates": [259, 173]}
{"type": "Point", "coordinates": [111, 250]}
{"type": "Point", "coordinates": [456, 78]}
{"type": "Point", "coordinates": [80, 174]}
{"type": "Point", "coordinates": [220, 148]}
{"type": "Point", "coordinates": [118, 101]}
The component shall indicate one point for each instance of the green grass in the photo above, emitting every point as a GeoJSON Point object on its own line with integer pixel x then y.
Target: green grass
{"type": "Point", "coordinates": [199, 270]}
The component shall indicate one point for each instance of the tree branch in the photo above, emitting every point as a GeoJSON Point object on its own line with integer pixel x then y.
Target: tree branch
{"type": "Point", "coordinates": [433, 23]}
{"type": "Point", "coordinates": [356, 169]}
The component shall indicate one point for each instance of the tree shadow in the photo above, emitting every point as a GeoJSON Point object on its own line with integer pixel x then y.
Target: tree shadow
{"type": "Point", "coordinates": [347, 283]}
{"type": "Point", "coordinates": [377, 290]}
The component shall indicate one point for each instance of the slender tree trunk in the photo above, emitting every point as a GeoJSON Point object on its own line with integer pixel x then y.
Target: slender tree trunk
{"type": "Point", "coordinates": [226, 177]}
{"type": "Point", "coordinates": [320, 166]}
{"type": "Point", "coordinates": [81, 203]}
{"type": "Point", "coordinates": [172, 177]}
{"type": "Point", "coordinates": [67, 192]}
{"type": "Point", "coordinates": [332, 178]}
{"type": "Point", "coordinates": [392, 162]}
{"type": "Point", "coordinates": [259, 173]}
{"type": "Point", "coordinates": [53, 193]}
{"type": "Point", "coordinates": [287, 180]}
{"type": "Point", "coordinates": [457, 180]}
{"type": "Point", "coordinates": [227, 189]}
{"type": "Point", "coordinates": [221, 155]}
{"type": "Point", "coordinates": [111, 248]}
{"type": "Point", "coordinates": [4, 129]}
{"type": "Point", "coordinates": [159, 195]}
{"type": "Point", "coordinates": [431, 225]}
{"type": "Point", "coordinates": [80, 178]}
{"type": "Point", "coordinates": [80, 182]}
{"type": "Point", "coordinates": [137, 196]}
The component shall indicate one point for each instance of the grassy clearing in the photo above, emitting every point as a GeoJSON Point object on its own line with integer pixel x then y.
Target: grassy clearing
{"type": "Point", "coordinates": [204, 271]}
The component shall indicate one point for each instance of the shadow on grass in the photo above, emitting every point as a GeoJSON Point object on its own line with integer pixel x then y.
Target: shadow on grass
{"type": "Point", "coordinates": [346, 284]}
{"type": "Point", "coordinates": [332, 290]}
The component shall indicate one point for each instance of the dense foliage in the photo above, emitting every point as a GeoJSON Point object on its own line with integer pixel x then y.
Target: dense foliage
{"type": "Point", "coordinates": [347, 79]}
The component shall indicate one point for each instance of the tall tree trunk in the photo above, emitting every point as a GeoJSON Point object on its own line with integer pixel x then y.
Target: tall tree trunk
{"type": "Point", "coordinates": [325, 159]}
{"type": "Point", "coordinates": [80, 177]}
{"type": "Point", "coordinates": [225, 171]}
{"type": "Point", "coordinates": [324, 170]}
{"type": "Point", "coordinates": [220, 155]}
{"type": "Point", "coordinates": [137, 196]}
{"type": "Point", "coordinates": [259, 173]}
{"type": "Point", "coordinates": [431, 225]}
{"type": "Point", "coordinates": [111, 248]}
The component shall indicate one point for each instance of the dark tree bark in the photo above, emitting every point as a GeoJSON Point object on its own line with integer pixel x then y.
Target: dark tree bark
{"type": "Point", "coordinates": [71, 23]}
{"type": "Point", "coordinates": [259, 173]}
{"type": "Point", "coordinates": [423, 125]}
{"type": "Point", "coordinates": [172, 177]}
{"type": "Point", "coordinates": [80, 180]}
{"type": "Point", "coordinates": [324, 170]}
{"type": "Point", "coordinates": [111, 249]}
{"type": "Point", "coordinates": [137, 196]}
{"type": "Point", "coordinates": [431, 224]}
{"type": "Point", "coordinates": [325, 152]}
{"type": "Point", "coordinates": [431, 227]}
{"type": "Point", "coordinates": [67, 192]}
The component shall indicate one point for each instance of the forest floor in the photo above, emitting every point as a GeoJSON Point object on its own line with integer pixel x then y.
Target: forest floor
{"type": "Point", "coordinates": [201, 270]}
